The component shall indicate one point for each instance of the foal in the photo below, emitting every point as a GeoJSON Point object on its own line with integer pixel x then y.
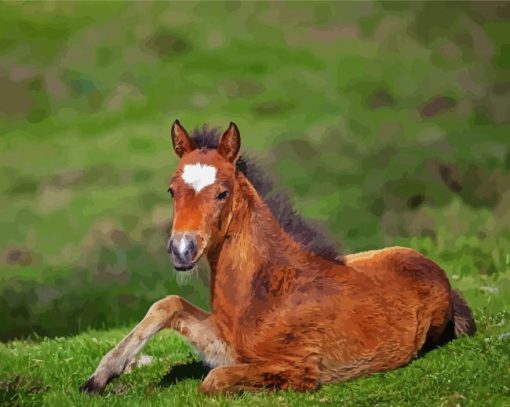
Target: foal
{"type": "Point", "coordinates": [283, 315]}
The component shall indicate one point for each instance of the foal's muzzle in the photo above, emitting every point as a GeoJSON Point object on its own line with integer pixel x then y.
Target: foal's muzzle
{"type": "Point", "coordinates": [183, 249]}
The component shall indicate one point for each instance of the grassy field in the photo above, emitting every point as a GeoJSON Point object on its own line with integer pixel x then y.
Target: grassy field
{"type": "Point", "coordinates": [388, 122]}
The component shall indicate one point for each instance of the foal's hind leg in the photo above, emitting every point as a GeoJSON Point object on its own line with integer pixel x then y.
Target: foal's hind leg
{"type": "Point", "coordinates": [170, 312]}
{"type": "Point", "coordinates": [250, 377]}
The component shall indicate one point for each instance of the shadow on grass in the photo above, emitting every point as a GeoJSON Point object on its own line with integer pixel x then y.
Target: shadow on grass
{"type": "Point", "coordinates": [192, 370]}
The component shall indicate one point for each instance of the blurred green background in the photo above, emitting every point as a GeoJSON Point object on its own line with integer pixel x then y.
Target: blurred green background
{"type": "Point", "coordinates": [387, 121]}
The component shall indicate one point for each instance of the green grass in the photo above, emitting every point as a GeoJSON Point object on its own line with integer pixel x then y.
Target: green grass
{"type": "Point", "coordinates": [386, 121]}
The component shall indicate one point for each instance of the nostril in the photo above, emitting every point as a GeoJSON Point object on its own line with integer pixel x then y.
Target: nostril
{"type": "Point", "coordinates": [188, 254]}
{"type": "Point", "coordinates": [173, 249]}
{"type": "Point", "coordinates": [191, 246]}
{"type": "Point", "coordinates": [176, 252]}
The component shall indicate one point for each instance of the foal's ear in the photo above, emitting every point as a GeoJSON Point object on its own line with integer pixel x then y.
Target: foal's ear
{"type": "Point", "coordinates": [181, 140]}
{"type": "Point", "coordinates": [230, 143]}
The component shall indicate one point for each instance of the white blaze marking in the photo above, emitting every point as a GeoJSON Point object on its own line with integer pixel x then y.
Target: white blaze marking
{"type": "Point", "coordinates": [182, 245]}
{"type": "Point", "coordinates": [198, 176]}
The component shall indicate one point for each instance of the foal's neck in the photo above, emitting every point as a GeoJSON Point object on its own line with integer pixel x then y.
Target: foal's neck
{"type": "Point", "coordinates": [255, 245]}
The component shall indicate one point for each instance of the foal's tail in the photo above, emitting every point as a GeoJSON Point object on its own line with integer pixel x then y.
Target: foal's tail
{"type": "Point", "coordinates": [462, 316]}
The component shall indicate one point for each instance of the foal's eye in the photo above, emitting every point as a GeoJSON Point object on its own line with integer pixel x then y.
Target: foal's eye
{"type": "Point", "coordinates": [171, 192]}
{"type": "Point", "coordinates": [222, 195]}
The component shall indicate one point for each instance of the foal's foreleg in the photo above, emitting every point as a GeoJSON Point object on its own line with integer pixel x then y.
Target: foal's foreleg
{"type": "Point", "coordinates": [170, 312]}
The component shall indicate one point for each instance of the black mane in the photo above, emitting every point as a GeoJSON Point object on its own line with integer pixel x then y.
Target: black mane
{"type": "Point", "coordinates": [313, 237]}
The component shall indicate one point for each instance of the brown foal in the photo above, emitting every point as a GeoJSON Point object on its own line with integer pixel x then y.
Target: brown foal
{"type": "Point", "coordinates": [282, 315]}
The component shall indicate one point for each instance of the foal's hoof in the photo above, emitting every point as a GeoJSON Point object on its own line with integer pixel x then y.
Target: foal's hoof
{"type": "Point", "coordinates": [213, 385]}
{"type": "Point", "coordinates": [91, 386]}
{"type": "Point", "coordinates": [208, 387]}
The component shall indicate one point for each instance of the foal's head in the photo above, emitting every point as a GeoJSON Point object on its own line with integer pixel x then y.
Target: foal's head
{"type": "Point", "coordinates": [202, 190]}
